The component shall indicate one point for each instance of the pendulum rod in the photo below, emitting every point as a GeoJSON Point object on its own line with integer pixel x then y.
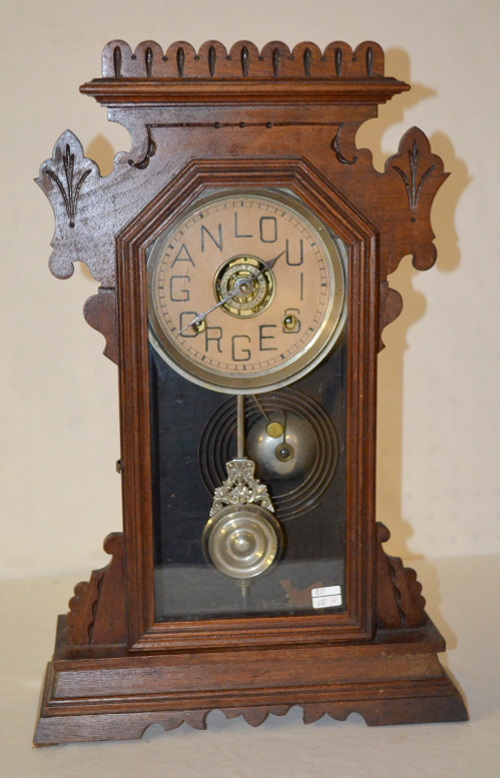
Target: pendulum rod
{"type": "Point", "coordinates": [240, 425]}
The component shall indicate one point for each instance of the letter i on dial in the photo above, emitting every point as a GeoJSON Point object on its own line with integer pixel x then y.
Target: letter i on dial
{"type": "Point", "coordinates": [246, 291]}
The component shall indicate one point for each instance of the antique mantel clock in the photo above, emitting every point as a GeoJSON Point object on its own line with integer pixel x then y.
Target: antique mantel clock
{"type": "Point", "coordinates": [242, 248]}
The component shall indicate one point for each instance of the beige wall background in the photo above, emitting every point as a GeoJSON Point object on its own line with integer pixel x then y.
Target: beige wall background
{"type": "Point", "coordinates": [438, 398]}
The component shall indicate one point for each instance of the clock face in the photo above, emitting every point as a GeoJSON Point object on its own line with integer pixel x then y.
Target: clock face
{"type": "Point", "coordinates": [246, 295]}
{"type": "Point", "coordinates": [246, 291]}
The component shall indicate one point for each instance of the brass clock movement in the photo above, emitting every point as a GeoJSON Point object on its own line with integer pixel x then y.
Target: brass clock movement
{"type": "Point", "coordinates": [242, 248]}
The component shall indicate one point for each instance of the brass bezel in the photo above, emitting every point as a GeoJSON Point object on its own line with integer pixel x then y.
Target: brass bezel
{"type": "Point", "coordinates": [300, 364]}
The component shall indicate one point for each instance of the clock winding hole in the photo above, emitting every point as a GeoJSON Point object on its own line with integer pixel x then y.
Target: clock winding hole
{"type": "Point", "coordinates": [244, 286]}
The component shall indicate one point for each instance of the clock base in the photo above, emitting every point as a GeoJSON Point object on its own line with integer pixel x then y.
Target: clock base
{"type": "Point", "coordinates": [395, 679]}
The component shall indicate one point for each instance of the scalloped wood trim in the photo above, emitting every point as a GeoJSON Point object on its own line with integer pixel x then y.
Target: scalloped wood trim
{"type": "Point", "coordinates": [400, 603]}
{"type": "Point", "coordinates": [414, 176]}
{"type": "Point", "coordinates": [420, 174]}
{"type": "Point", "coordinates": [417, 701]}
{"type": "Point", "coordinates": [243, 59]}
{"type": "Point", "coordinates": [100, 312]}
{"type": "Point", "coordinates": [97, 610]}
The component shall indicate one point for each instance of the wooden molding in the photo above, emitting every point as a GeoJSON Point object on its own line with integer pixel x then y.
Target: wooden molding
{"type": "Point", "coordinates": [97, 613]}
{"type": "Point", "coordinates": [243, 60]}
{"type": "Point", "coordinates": [400, 604]}
{"type": "Point", "coordinates": [201, 121]}
{"type": "Point", "coordinates": [132, 244]}
{"type": "Point", "coordinates": [388, 682]}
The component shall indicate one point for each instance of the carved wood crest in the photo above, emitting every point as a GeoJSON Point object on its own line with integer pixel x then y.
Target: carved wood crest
{"type": "Point", "coordinates": [91, 210]}
{"type": "Point", "coordinates": [241, 117]}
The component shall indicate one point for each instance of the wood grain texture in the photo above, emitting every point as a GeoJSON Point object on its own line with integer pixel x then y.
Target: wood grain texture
{"type": "Point", "coordinates": [399, 600]}
{"type": "Point", "coordinates": [387, 682]}
{"type": "Point", "coordinates": [243, 59]}
{"type": "Point", "coordinates": [331, 96]}
{"type": "Point", "coordinates": [100, 313]}
{"type": "Point", "coordinates": [303, 179]}
{"type": "Point", "coordinates": [216, 119]}
{"type": "Point", "coordinates": [97, 610]}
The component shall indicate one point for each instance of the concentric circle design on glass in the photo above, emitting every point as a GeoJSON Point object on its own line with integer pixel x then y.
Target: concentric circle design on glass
{"type": "Point", "coordinates": [295, 497]}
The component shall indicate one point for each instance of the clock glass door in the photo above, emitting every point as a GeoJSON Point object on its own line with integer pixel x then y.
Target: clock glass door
{"type": "Point", "coordinates": [248, 337]}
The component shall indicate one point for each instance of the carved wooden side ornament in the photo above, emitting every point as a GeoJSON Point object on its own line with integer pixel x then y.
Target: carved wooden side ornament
{"type": "Point", "coordinates": [97, 611]}
{"type": "Point", "coordinates": [399, 600]}
{"type": "Point", "coordinates": [279, 123]}
{"type": "Point", "coordinates": [339, 76]}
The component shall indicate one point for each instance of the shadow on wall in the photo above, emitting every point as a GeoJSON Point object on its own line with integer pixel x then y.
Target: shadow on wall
{"type": "Point", "coordinates": [102, 152]}
{"type": "Point", "coordinates": [391, 360]}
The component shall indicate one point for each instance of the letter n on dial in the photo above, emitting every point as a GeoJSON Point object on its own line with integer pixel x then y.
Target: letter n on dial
{"type": "Point", "coordinates": [246, 291]}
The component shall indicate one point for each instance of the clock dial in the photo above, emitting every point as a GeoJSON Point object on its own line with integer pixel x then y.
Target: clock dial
{"type": "Point", "coordinates": [246, 291]}
{"type": "Point", "coordinates": [250, 575]}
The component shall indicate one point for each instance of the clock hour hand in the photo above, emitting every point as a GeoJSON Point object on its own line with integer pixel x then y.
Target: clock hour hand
{"type": "Point", "coordinates": [236, 291]}
{"type": "Point", "coordinates": [202, 316]}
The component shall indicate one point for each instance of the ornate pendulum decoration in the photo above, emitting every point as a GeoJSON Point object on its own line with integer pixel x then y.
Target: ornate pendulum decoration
{"type": "Point", "coordinates": [241, 487]}
{"type": "Point", "coordinates": [250, 575]}
{"type": "Point", "coordinates": [242, 537]}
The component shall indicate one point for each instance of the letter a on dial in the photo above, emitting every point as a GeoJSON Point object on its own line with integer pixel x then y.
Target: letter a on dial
{"type": "Point", "coordinates": [223, 279]}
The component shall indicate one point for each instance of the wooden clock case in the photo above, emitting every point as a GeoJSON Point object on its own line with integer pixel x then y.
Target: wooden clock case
{"type": "Point", "coordinates": [198, 121]}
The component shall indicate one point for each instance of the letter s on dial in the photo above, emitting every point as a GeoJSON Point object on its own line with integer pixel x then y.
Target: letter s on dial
{"type": "Point", "coordinates": [246, 291]}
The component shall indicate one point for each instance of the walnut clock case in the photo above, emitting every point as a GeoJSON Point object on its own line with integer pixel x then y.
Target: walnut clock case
{"type": "Point", "coordinates": [242, 248]}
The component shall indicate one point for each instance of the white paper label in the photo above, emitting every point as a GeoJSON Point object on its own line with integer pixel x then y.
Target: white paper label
{"type": "Point", "coordinates": [327, 597]}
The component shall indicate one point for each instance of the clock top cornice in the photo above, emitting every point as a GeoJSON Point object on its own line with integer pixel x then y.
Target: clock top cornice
{"type": "Point", "coordinates": [214, 74]}
{"type": "Point", "coordinates": [232, 127]}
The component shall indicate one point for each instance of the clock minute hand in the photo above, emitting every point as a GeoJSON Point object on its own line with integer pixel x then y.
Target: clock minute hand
{"type": "Point", "coordinates": [202, 316]}
{"type": "Point", "coordinates": [266, 266]}
{"type": "Point", "coordinates": [269, 265]}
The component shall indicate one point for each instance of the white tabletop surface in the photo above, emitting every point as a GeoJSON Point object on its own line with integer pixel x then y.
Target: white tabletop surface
{"type": "Point", "coordinates": [462, 597]}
